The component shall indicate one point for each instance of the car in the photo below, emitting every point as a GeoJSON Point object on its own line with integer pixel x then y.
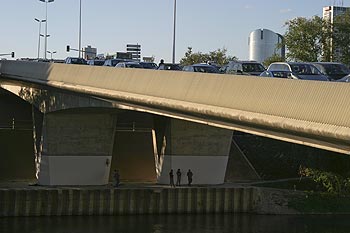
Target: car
{"type": "Point", "coordinates": [334, 70]}
{"type": "Point", "coordinates": [203, 68]}
{"type": "Point", "coordinates": [170, 66]}
{"type": "Point", "coordinates": [95, 62]}
{"type": "Point", "coordinates": [345, 79]}
{"type": "Point", "coordinates": [279, 74]}
{"type": "Point", "coordinates": [112, 62]}
{"type": "Point", "coordinates": [149, 65]}
{"type": "Point", "coordinates": [75, 60]}
{"type": "Point", "coordinates": [128, 65]}
{"type": "Point", "coordinates": [300, 70]}
{"type": "Point", "coordinates": [243, 67]}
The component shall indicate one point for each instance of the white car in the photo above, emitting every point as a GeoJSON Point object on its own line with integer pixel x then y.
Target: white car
{"type": "Point", "coordinates": [128, 65]}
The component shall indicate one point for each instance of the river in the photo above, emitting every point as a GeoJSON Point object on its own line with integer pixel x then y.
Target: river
{"type": "Point", "coordinates": [238, 223]}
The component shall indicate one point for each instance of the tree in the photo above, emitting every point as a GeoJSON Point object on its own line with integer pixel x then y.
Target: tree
{"type": "Point", "coordinates": [274, 58]}
{"type": "Point", "coordinates": [218, 56]}
{"type": "Point", "coordinates": [341, 38]}
{"type": "Point", "coordinates": [304, 38]}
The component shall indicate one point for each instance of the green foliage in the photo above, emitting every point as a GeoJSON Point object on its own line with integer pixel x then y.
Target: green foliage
{"type": "Point", "coordinates": [218, 56]}
{"type": "Point", "coordinates": [303, 38]}
{"type": "Point", "coordinates": [331, 182]}
{"type": "Point", "coordinates": [341, 37]}
{"type": "Point", "coordinates": [273, 58]}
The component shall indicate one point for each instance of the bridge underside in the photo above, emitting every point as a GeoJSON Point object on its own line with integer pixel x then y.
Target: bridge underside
{"type": "Point", "coordinates": [190, 119]}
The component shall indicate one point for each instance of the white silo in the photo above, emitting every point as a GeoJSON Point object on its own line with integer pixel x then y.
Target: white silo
{"type": "Point", "coordinates": [263, 44]}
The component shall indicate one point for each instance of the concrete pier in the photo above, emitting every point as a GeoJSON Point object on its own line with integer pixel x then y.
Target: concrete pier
{"type": "Point", "coordinates": [123, 201]}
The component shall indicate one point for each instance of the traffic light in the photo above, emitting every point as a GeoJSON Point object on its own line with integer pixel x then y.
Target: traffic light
{"type": "Point", "coordinates": [68, 48]}
{"type": "Point", "coordinates": [13, 54]}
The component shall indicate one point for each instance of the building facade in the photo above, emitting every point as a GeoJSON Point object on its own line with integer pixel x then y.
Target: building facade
{"type": "Point", "coordinates": [263, 43]}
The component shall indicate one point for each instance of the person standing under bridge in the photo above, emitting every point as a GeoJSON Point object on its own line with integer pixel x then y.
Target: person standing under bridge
{"type": "Point", "coordinates": [171, 176]}
{"type": "Point", "coordinates": [178, 177]}
{"type": "Point", "coordinates": [189, 177]}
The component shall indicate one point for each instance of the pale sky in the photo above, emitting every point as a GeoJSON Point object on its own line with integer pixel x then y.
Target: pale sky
{"type": "Point", "coordinates": [109, 25]}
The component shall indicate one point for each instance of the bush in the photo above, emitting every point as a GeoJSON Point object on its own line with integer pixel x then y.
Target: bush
{"type": "Point", "coordinates": [331, 182]}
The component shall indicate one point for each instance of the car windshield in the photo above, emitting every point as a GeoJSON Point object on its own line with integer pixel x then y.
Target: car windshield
{"type": "Point", "coordinates": [252, 67]}
{"type": "Point", "coordinates": [99, 62]}
{"type": "Point", "coordinates": [305, 69]}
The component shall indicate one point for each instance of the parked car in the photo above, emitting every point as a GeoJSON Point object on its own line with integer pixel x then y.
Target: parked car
{"type": "Point", "coordinates": [301, 70]}
{"type": "Point", "coordinates": [75, 60]}
{"type": "Point", "coordinates": [203, 68]}
{"type": "Point", "coordinates": [170, 66]}
{"type": "Point", "coordinates": [149, 65]}
{"type": "Point", "coordinates": [345, 79]}
{"type": "Point", "coordinates": [128, 65]}
{"type": "Point", "coordinates": [243, 67]}
{"type": "Point", "coordinates": [279, 74]}
{"type": "Point", "coordinates": [95, 62]}
{"type": "Point", "coordinates": [334, 70]}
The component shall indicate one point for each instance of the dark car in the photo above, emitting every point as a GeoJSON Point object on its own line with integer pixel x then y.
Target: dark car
{"type": "Point", "coordinates": [75, 60]}
{"type": "Point", "coordinates": [301, 70]}
{"type": "Point", "coordinates": [203, 68]}
{"type": "Point", "coordinates": [345, 79]}
{"type": "Point", "coordinates": [170, 66]}
{"type": "Point", "coordinates": [148, 65]}
{"type": "Point", "coordinates": [334, 70]}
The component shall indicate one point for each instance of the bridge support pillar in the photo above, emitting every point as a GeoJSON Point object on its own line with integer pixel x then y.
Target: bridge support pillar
{"type": "Point", "coordinates": [201, 148]}
{"type": "Point", "coordinates": [76, 148]}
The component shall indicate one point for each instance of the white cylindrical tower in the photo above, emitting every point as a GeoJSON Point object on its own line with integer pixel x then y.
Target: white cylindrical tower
{"type": "Point", "coordinates": [263, 44]}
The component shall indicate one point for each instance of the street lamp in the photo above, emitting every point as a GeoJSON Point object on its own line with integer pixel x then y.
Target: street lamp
{"type": "Point", "coordinates": [39, 21]}
{"type": "Point", "coordinates": [79, 29]}
{"type": "Point", "coordinates": [12, 54]}
{"type": "Point", "coordinates": [51, 53]}
{"type": "Point", "coordinates": [174, 31]}
{"type": "Point", "coordinates": [46, 1]}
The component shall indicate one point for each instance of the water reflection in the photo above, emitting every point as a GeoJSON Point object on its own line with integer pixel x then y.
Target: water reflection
{"type": "Point", "coordinates": [179, 223]}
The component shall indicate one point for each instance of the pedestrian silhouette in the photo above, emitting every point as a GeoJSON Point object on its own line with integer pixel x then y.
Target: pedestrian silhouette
{"type": "Point", "coordinates": [178, 177]}
{"type": "Point", "coordinates": [116, 178]}
{"type": "Point", "coordinates": [189, 177]}
{"type": "Point", "coordinates": [161, 65]}
{"type": "Point", "coordinates": [171, 176]}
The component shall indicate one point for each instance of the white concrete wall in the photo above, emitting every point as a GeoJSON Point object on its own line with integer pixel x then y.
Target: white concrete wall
{"type": "Point", "coordinates": [205, 169]}
{"type": "Point", "coordinates": [75, 170]}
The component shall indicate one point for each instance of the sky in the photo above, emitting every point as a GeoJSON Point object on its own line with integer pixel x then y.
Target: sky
{"type": "Point", "coordinates": [109, 25]}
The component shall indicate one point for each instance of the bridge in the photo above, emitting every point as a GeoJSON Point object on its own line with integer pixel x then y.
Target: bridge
{"type": "Point", "coordinates": [191, 117]}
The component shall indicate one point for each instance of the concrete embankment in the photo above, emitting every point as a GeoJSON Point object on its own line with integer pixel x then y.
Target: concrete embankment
{"type": "Point", "coordinates": [123, 201]}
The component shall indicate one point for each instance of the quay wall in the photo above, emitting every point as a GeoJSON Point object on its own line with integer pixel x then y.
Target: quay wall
{"type": "Point", "coordinates": [121, 201]}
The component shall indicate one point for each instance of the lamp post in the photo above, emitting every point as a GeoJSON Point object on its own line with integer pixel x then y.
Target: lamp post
{"type": "Point", "coordinates": [46, 2]}
{"type": "Point", "coordinates": [51, 53]}
{"type": "Point", "coordinates": [174, 31]}
{"type": "Point", "coordinates": [79, 29]}
{"type": "Point", "coordinates": [39, 21]}
{"type": "Point", "coordinates": [12, 54]}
